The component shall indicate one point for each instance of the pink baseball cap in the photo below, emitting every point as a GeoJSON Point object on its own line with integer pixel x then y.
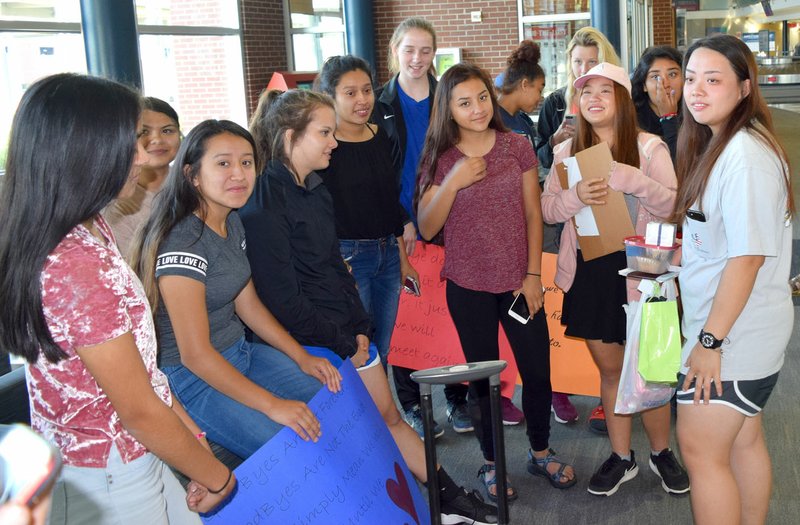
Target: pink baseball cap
{"type": "Point", "coordinates": [605, 70]}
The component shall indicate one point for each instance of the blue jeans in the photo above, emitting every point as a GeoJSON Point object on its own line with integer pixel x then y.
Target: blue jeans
{"type": "Point", "coordinates": [233, 425]}
{"type": "Point", "coordinates": [376, 269]}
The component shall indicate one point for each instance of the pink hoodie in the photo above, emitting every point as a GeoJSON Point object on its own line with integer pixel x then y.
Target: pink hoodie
{"type": "Point", "coordinates": [653, 185]}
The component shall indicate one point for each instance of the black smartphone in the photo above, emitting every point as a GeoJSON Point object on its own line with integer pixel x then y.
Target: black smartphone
{"type": "Point", "coordinates": [411, 286]}
{"type": "Point", "coordinates": [696, 215]}
{"type": "Point", "coordinates": [29, 465]}
{"type": "Point", "coordinates": [519, 309]}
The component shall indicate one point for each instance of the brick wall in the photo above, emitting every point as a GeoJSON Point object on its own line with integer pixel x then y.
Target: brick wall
{"type": "Point", "coordinates": [487, 43]}
{"type": "Point", "coordinates": [663, 23]}
{"type": "Point", "coordinates": [263, 43]}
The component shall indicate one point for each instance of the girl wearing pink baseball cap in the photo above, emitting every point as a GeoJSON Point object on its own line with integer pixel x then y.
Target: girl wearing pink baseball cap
{"type": "Point", "coordinates": [594, 292]}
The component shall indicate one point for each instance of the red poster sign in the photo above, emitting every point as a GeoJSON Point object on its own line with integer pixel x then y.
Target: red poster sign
{"type": "Point", "coordinates": [424, 335]}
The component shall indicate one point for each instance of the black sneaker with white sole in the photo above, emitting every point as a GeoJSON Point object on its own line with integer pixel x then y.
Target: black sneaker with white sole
{"type": "Point", "coordinates": [674, 478]}
{"type": "Point", "coordinates": [468, 507]}
{"type": "Point", "coordinates": [612, 473]}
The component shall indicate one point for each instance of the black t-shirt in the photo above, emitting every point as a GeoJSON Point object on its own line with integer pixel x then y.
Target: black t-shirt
{"type": "Point", "coordinates": [362, 181]}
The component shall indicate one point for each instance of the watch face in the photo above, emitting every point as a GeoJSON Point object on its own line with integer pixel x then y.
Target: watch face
{"type": "Point", "coordinates": [707, 340]}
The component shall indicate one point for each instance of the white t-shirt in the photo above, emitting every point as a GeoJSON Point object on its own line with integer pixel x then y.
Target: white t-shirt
{"type": "Point", "coordinates": [745, 210]}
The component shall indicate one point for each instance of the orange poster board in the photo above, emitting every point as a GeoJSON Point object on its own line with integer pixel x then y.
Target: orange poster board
{"type": "Point", "coordinates": [424, 335]}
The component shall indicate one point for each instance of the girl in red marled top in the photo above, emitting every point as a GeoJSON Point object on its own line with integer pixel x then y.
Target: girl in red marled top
{"type": "Point", "coordinates": [594, 292]}
{"type": "Point", "coordinates": [78, 314]}
{"type": "Point", "coordinates": [478, 182]}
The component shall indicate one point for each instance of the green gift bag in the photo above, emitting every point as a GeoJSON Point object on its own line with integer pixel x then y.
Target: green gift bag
{"type": "Point", "coordinates": [660, 339]}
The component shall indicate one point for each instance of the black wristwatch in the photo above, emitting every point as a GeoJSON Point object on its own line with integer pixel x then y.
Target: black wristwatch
{"type": "Point", "coordinates": [707, 340]}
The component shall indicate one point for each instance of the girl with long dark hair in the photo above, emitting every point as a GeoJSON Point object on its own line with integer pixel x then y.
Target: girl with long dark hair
{"type": "Point", "coordinates": [161, 138]}
{"type": "Point", "coordinates": [191, 257]}
{"type": "Point", "coordinates": [518, 96]}
{"type": "Point", "coordinates": [656, 89]}
{"type": "Point", "coordinates": [78, 315]}
{"type": "Point", "coordinates": [735, 202]}
{"type": "Point", "coordinates": [479, 184]}
{"type": "Point", "coordinates": [403, 109]}
{"type": "Point", "coordinates": [366, 202]}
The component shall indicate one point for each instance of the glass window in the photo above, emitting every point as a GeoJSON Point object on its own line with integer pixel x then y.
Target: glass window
{"type": "Point", "coordinates": [553, 38]}
{"type": "Point", "coordinates": [316, 32]}
{"type": "Point", "coordinates": [551, 7]}
{"type": "Point", "coordinates": [200, 76]}
{"type": "Point", "coordinates": [312, 49]}
{"type": "Point", "coordinates": [551, 24]}
{"type": "Point", "coordinates": [190, 54]}
{"type": "Point", "coordinates": [40, 10]}
{"type": "Point", "coordinates": [208, 13]}
{"type": "Point", "coordinates": [26, 57]}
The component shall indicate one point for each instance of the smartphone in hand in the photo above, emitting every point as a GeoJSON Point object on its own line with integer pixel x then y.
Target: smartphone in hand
{"type": "Point", "coordinates": [519, 309]}
{"type": "Point", "coordinates": [569, 119]}
{"type": "Point", "coordinates": [411, 286]}
{"type": "Point", "coordinates": [29, 465]}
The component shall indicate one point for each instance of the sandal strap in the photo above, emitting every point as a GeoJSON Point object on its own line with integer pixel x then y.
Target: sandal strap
{"type": "Point", "coordinates": [552, 458]}
{"type": "Point", "coordinates": [488, 469]}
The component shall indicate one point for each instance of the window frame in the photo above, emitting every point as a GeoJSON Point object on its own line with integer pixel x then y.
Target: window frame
{"type": "Point", "coordinates": [289, 33]}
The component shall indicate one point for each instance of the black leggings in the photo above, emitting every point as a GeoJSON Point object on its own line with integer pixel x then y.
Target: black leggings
{"type": "Point", "coordinates": [476, 316]}
{"type": "Point", "coordinates": [408, 390]}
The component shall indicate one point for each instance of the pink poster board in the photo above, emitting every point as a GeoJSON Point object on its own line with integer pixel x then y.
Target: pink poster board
{"type": "Point", "coordinates": [424, 335]}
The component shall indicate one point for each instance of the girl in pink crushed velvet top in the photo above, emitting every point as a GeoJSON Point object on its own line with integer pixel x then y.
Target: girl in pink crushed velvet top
{"type": "Point", "coordinates": [594, 292]}
{"type": "Point", "coordinates": [479, 184]}
{"type": "Point", "coordinates": [78, 314]}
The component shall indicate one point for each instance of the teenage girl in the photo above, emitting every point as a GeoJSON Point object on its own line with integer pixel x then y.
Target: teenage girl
{"type": "Point", "coordinates": [191, 258]}
{"type": "Point", "coordinates": [479, 183]}
{"type": "Point", "coordinates": [656, 89]}
{"type": "Point", "coordinates": [521, 90]}
{"type": "Point", "coordinates": [362, 181]}
{"type": "Point", "coordinates": [77, 313]}
{"type": "Point", "coordinates": [735, 201]}
{"type": "Point", "coordinates": [518, 96]}
{"type": "Point", "coordinates": [403, 110]}
{"type": "Point", "coordinates": [594, 292]}
{"type": "Point", "coordinates": [161, 138]}
{"type": "Point", "coordinates": [587, 48]}
{"type": "Point", "coordinates": [300, 274]}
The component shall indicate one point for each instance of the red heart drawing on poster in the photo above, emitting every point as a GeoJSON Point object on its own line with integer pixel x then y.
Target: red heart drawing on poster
{"type": "Point", "coordinates": [400, 493]}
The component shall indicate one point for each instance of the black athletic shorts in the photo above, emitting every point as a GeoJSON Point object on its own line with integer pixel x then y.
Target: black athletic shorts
{"type": "Point", "coordinates": [748, 397]}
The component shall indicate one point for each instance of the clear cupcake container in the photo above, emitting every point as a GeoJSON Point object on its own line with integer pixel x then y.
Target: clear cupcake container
{"type": "Point", "coordinates": [648, 258]}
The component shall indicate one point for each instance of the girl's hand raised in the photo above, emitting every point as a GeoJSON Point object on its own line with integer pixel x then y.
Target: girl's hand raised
{"type": "Point", "coordinates": [591, 191]}
{"type": "Point", "coordinates": [666, 99]}
{"type": "Point", "coordinates": [323, 370]}
{"type": "Point", "coordinates": [466, 172]}
{"type": "Point", "coordinates": [565, 131]}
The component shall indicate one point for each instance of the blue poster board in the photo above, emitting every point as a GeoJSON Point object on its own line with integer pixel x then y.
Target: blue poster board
{"type": "Point", "coordinates": [353, 475]}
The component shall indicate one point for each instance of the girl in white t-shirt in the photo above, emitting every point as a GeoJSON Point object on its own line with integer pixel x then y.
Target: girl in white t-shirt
{"type": "Point", "coordinates": [735, 201]}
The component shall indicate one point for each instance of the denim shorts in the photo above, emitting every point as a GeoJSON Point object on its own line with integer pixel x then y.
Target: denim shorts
{"type": "Point", "coordinates": [320, 351]}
